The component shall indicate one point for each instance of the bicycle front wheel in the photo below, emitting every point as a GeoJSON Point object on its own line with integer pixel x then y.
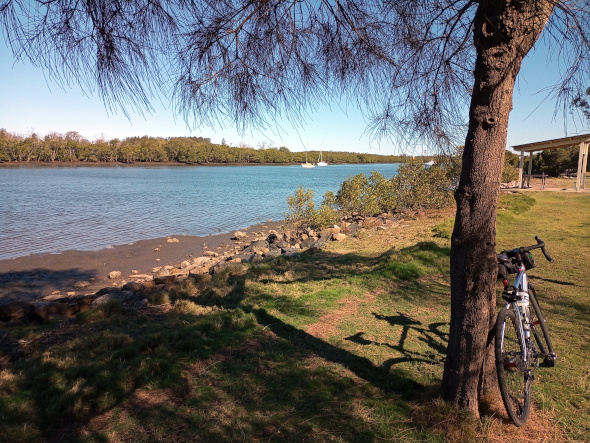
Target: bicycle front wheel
{"type": "Point", "coordinates": [539, 330]}
{"type": "Point", "coordinates": [514, 375]}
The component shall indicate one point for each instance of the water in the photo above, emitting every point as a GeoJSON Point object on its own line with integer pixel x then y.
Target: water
{"type": "Point", "coordinates": [53, 209]}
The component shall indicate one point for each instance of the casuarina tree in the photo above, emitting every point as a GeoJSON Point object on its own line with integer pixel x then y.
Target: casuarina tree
{"type": "Point", "coordinates": [440, 72]}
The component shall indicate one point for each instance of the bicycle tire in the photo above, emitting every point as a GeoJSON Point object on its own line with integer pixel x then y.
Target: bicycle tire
{"type": "Point", "coordinates": [538, 322]}
{"type": "Point", "coordinates": [514, 376]}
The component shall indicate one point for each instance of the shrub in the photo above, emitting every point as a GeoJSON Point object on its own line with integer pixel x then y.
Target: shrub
{"type": "Point", "coordinates": [418, 186]}
{"type": "Point", "coordinates": [303, 212]}
{"type": "Point", "coordinates": [366, 196]}
{"type": "Point", "coordinates": [301, 207]}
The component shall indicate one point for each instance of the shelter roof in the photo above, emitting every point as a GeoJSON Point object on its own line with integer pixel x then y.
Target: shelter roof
{"type": "Point", "coordinates": [565, 142]}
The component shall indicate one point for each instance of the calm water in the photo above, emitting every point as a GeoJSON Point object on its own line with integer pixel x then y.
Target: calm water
{"type": "Point", "coordinates": [53, 209]}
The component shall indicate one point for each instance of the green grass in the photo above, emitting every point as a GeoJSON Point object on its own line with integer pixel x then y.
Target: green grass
{"type": "Point", "coordinates": [344, 345]}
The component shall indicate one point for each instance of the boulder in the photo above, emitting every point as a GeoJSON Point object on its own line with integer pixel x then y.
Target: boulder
{"type": "Point", "coordinates": [273, 238]}
{"type": "Point", "coordinates": [290, 252]}
{"type": "Point", "coordinates": [46, 310]}
{"type": "Point", "coordinates": [114, 274]}
{"type": "Point", "coordinates": [132, 286]}
{"type": "Point", "coordinates": [185, 264]}
{"type": "Point", "coordinates": [122, 296]}
{"type": "Point", "coordinates": [163, 279]}
{"type": "Point", "coordinates": [199, 270]}
{"type": "Point", "coordinates": [338, 237]}
{"type": "Point", "coordinates": [58, 298]}
{"type": "Point", "coordinates": [352, 229]}
{"type": "Point", "coordinates": [143, 303]}
{"type": "Point", "coordinates": [308, 243]}
{"type": "Point", "coordinates": [210, 254]}
{"type": "Point", "coordinates": [172, 240]}
{"type": "Point", "coordinates": [259, 244]}
{"type": "Point", "coordinates": [330, 231]}
{"type": "Point", "coordinates": [82, 284]}
{"type": "Point", "coordinates": [199, 261]}
{"type": "Point", "coordinates": [320, 242]}
{"type": "Point", "coordinates": [13, 310]}
{"type": "Point", "coordinates": [239, 235]}
{"type": "Point", "coordinates": [272, 253]}
{"type": "Point", "coordinates": [140, 276]}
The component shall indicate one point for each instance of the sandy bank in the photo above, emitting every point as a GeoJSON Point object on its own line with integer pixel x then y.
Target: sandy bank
{"type": "Point", "coordinates": [34, 276]}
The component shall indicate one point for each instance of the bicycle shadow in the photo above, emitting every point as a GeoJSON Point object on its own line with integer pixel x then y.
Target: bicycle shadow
{"type": "Point", "coordinates": [432, 336]}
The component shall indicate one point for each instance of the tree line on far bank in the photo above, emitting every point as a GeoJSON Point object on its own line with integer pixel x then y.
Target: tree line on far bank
{"type": "Point", "coordinates": [72, 147]}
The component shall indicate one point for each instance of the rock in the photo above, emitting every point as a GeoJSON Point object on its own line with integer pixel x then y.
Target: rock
{"type": "Point", "coordinates": [156, 249]}
{"type": "Point", "coordinates": [58, 298]}
{"type": "Point", "coordinates": [172, 240]}
{"type": "Point", "coordinates": [272, 253]}
{"type": "Point", "coordinates": [122, 296]}
{"type": "Point", "coordinates": [185, 264]}
{"type": "Point", "coordinates": [308, 243]}
{"type": "Point", "coordinates": [164, 279]}
{"type": "Point", "coordinates": [143, 303]}
{"type": "Point", "coordinates": [156, 269]}
{"type": "Point", "coordinates": [168, 268]}
{"type": "Point", "coordinates": [70, 294]}
{"type": "Point", "coordinates": [140, 276]}
{"type": "Point", "coordinates": [81, 284]}
{"type": "Point", "coordinates": [46, 310]}
{"type": "Point", "coordinates": [352, 229]}
{"type": "Point", "coordinates": [273, 238]}
{"type": "Point", "coordinates": [199, 261]}
{"type": "Point", "coordinates": [132, 286]}
{"type": "Point", "coordinates": [320, 242]}
{"type": "Point", "coordinates": [239, 235]}
{"type": "Point", "coordinates": [114, 274]}
{"type": "Point", "coordinates": [290, 252]}
{"type": "Point", "coordinates": [259, 244]}
{"type": "Point", "coordinates": [338, 237]}
{"type": "Point", "coordinates": [304, 236]}
{"type": "Point", "coordinates": [12, 310]}
{"type": "Point", "coordinates": [134, 272]}
{"type": "Point", "coordinates": [330, 231]}
{"type": "Point", "coordinates": [210, 254]}
{"type": "Point", "coordinates": [244, 258]}
{"type": "Point", "coordinates": [199, 270]}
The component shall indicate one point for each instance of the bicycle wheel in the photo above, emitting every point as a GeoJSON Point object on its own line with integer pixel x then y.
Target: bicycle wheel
{"type": "Point", "coordinates": [539, 330]}
{"type": "Point", "coordinates": [514, 375]}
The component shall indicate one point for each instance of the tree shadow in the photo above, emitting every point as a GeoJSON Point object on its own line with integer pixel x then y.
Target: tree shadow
{"type": "Point", "coordinates": [238, 372]}
{"type": "Point", "coordinates": [34, 283]}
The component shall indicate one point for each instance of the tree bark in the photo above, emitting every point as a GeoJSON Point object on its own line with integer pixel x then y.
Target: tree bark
{"type": "Point", "coordinates": [504, 32]}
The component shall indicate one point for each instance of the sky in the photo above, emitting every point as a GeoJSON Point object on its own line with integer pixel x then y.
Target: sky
{"type": "Point", "coordinates": [30, 102]}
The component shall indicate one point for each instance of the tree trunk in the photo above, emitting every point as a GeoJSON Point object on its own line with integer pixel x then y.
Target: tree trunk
{"type": "Point", "coordinates": [504, 32]}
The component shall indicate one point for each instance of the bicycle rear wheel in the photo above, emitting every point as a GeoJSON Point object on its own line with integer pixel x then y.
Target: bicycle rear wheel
{"type": "Point", "coordinates": [539, 330]}
{"type": "Point", "coordinates": [514, 375]}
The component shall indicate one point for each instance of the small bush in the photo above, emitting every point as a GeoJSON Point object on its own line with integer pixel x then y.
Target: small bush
{"type": "Point", "coordinates": [159, 298]}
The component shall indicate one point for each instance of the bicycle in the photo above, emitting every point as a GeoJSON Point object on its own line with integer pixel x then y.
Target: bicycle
{"type": "Point", "coordinates": [517, 356]}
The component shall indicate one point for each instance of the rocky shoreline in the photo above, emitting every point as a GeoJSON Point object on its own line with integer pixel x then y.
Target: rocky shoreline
{"type": "Point", "coordinates": [39, 288]}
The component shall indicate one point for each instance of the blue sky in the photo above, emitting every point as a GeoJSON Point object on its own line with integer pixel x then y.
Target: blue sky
{"type": "Point", "coordinates": [31, 102]}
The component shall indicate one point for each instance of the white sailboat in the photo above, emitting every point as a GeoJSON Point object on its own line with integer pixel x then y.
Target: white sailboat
{"type": "Point", "coordinates": [321, 162]}
{"type": "Point", "coordinates": [307, 164]}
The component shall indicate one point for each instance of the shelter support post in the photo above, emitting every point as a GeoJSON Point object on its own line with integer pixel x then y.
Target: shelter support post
{"type": "Point", "coordinates": [582, 165]}
{"type": "Point", "coordinates": [520, 170]}
{"type": "Point", "coordinates": [530, 170]}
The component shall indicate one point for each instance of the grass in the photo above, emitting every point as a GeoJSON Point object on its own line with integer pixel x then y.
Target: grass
{"type": "Point", "coordinates": [345, 345]}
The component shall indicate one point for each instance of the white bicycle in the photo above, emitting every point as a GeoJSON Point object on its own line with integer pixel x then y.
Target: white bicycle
{"type": "Point", "coordinates": [517, 355]}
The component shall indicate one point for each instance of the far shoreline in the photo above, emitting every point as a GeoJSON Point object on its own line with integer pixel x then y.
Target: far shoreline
{"type": "Point", "coordinates": [135, 164]}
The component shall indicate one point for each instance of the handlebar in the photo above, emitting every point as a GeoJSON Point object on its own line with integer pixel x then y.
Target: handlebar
{"type": "Point", "coordinates": [504, 255]}
{"type": "Point", "coordinates": [540, 244]}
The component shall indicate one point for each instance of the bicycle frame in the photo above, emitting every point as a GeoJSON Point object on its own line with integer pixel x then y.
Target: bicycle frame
{"type": "Point", "coordinates": [521, 307]}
